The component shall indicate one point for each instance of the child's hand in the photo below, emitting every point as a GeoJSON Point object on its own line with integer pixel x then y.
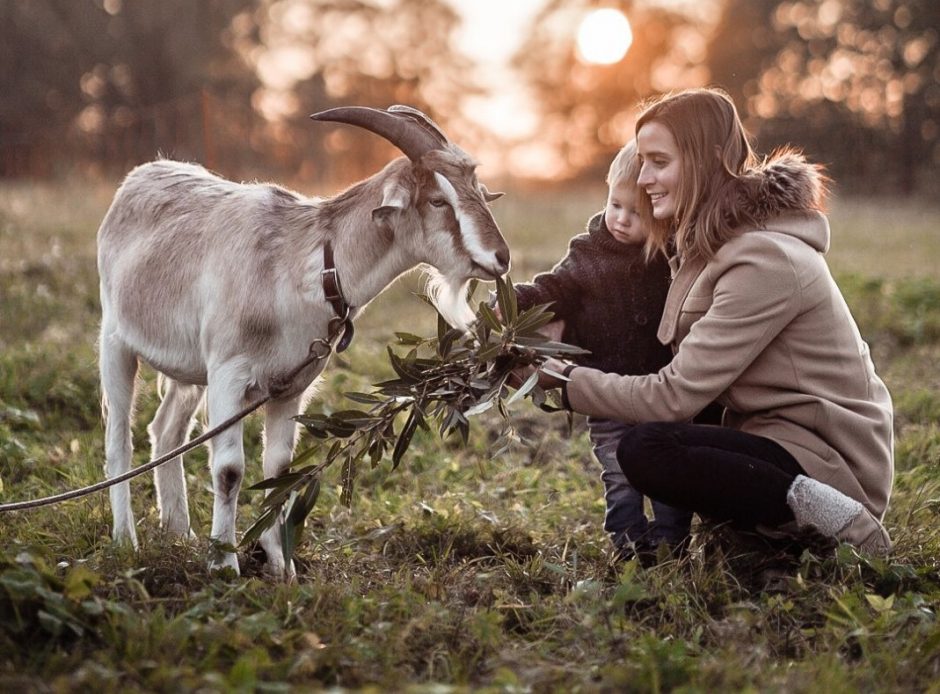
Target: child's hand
{"type": "Point", "coordinates": [553, 330]}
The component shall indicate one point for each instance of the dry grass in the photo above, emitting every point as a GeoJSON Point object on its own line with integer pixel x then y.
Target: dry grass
{"type": "Point", "coordinates": [457, 572]}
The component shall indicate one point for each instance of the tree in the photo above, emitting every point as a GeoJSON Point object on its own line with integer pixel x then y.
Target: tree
{"type": "Point", "coordinates": [228, 83]}
{"type": "Point", "coordinates": [588, 110]}
{"type": "Point", "coordinates": [116, 80]}
{"type": "Point", "coordinates": [315, 54]}
{"type": "Point", "coordinates": [866, 72]}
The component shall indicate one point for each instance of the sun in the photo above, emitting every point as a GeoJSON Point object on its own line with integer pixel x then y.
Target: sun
{"type": "Point", "coordinates": [604, 37]}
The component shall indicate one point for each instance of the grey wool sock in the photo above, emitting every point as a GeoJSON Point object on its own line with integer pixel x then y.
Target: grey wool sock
{"type": "Point", "coordinates": [820, 506]}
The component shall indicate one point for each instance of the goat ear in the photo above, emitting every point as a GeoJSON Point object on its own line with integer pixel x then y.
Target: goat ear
{"type": "Point", "coordinates": [382, 214]}
{"type": "Point", "coordinates": [488, 196]}
{"type": "Point", "coordinates": [394, 200]}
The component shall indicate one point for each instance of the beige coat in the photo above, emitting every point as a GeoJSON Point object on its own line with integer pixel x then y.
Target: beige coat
{"type": "Point", "coordinates": [763, 329]}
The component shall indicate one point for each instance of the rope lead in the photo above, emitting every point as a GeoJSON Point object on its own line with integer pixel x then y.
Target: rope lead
{"type": "Point", "coordinates": [319, 349]}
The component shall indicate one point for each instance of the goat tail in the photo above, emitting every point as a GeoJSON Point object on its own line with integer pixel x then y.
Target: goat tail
{"type": "Point", "coordinates": [450, 299]}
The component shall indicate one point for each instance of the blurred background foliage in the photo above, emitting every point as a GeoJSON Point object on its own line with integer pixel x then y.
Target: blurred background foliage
{"type": "Point", "coordinates": [96, 86]}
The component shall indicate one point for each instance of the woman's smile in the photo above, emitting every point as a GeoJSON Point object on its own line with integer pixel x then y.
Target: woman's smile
{"type": "Point", "coordinates": [660, 168]}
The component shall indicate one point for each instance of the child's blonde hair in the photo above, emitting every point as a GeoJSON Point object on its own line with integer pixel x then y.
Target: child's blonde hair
{"type": "Point", "coordinates": [625, 168]}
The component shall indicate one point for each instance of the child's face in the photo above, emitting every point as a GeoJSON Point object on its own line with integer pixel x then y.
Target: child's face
{"type": "Point", "coordinates": [621, 217]}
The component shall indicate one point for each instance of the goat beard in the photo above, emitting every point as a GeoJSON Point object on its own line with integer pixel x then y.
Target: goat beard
{"type": "Point", "coordinates": [450, 299]}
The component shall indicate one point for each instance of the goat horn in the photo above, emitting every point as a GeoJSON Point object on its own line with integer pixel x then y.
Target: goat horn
{"type": "Point", "coordinates": [407, 128]}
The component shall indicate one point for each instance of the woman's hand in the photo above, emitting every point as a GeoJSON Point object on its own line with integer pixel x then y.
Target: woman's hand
{"type": "Point", "coordinates": [546, 380]}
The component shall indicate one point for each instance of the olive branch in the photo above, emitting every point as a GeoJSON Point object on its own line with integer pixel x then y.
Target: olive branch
{"type": "Point", "coordinates": [441, 381]}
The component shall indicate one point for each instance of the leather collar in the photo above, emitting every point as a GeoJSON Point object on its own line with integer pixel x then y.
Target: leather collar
{"type": "Point", "coordinates": [341, 323]}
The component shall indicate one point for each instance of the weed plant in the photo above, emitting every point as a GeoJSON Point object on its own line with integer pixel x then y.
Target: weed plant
{"type": "Point", "coordinates": [459, 570]}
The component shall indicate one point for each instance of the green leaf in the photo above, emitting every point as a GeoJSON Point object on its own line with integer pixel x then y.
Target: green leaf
{"type": "Point", "coordinates": [529, 384]}
{"type": "Point", "coordinates": [349, 481]}
{"type": "Point", "coordinates": [355, 418]}
{"type": "Point", "coordinates": [537, 395]}
{"type": "Point", "coordinates": [549, 348]}
{"type": "Point", "coordinates": [264, 521]}
{"type": "Point", "coordinates": [478, 408]}
{"type": "Point", "coordinates": [555, 374]}
{"type": "Point", "coordinates": [284, 480]}
{"type": "Point", "coordinates": [488, 315]}
{"type": "Point", "coordinates": [400, 367]}
{"type": "Point", "coordinates": [376, 451]}
{"type": "Point", "coordinates": [463, 428]}
{"type": "Point", "coordinates": [446, 341]}
{"type": "Point", "coordinates": [471, 289]}
{"type": "Point", "coordinates": [490, 353]}
{"type": "Point", "coordinates": [315, 425]}
{"type": "Point", "coordinates": [278, 496]}
{"type": "Point", "coordinates": [506, 295]}
{"type": "Point", "coordinates": [409, 339]}
{"type": "Point", "coordinates": [533, 319]}
{"type": "Point", "coordinates": [364, 398]}
{"type": "Point", "coordinates": [296, 517]}
{"type": "Point", "coordinates": [340, 428]}
{"type": "Point", "coordinates": [404, 438]}
{"type": "Point", "coordinates": [452, 421]}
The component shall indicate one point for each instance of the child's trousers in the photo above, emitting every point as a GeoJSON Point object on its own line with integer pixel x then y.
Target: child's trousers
{"type": "Point", "coordinates": [625, 519]}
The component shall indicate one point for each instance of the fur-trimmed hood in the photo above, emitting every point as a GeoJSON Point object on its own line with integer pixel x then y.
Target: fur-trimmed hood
{"type": "Point", "coordinates": [784, 193]}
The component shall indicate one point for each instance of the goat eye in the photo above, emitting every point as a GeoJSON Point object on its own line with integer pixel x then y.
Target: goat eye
{"type": "Point", "coordinates": [438, 202]}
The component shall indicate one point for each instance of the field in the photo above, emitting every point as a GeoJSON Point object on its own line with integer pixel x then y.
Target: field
{"type": "Point", "coordinates": [458, 571]}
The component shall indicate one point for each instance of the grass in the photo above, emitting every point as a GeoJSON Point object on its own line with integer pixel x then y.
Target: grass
{"type": "Point", "coordinates": [457, 571]}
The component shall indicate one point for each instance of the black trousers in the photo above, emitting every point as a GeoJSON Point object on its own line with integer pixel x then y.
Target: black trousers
{"type": "Point", "coordinates": [714, 471]}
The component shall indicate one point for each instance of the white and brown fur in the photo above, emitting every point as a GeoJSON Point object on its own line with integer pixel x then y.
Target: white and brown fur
{"type": "Point", "coordinates": [217, 286]}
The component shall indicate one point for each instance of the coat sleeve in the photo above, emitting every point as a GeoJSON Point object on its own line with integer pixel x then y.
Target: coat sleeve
{"type": "Point", "coordinates": [756, 294]}
{"type": "Point", "coordinates": [561, 286]}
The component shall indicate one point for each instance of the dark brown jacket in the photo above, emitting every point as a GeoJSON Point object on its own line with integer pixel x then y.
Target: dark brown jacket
{"type": "Point", "coordinates": [610, 298]}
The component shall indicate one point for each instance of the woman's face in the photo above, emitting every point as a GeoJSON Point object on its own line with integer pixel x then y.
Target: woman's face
{"type": "Point", "coordinates": [659, 168]}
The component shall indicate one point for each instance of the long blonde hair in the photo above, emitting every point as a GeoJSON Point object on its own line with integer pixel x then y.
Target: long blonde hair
{"type": "Point", "coordinates": [714, 150]}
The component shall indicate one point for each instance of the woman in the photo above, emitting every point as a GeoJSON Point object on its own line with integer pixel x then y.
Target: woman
{"type": "Point", "coordinates": [757, 323]}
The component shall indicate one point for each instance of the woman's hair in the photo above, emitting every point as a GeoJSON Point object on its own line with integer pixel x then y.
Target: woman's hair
{"type": "Point", "coordinates": [625, 167]}
{"type": "Point", "coordinates": [713, 152]}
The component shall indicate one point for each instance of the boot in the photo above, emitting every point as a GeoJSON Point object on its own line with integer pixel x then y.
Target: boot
{"type": "Point", "coordinates": [835, 515]}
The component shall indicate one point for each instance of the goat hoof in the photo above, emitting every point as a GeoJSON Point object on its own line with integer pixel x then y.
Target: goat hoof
{"type": "Point", "coordinates": [224, 564]}
{"type": "Point", "coordinates": [275, 566]}
{"type": "Point", "coordinates": [126, 537]}
{"type": "Point", "coordinates": [277, 571]}
{"type": "Point", "coordinates": [178, 531]}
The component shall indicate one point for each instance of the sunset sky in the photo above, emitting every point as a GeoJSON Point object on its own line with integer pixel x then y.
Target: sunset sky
{"type": "Point", "coordinates": [492, 31]}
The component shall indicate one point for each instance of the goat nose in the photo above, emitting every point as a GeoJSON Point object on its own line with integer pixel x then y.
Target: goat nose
{"type": "Point", "coordinates": [502, 257]}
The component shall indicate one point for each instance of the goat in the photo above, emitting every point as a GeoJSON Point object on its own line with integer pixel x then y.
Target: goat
{"type": "Point", "coordinates": [217, 286]}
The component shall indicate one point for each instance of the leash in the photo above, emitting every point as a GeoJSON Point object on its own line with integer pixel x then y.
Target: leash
{"type": "Point", "coordinates": [319, 349]}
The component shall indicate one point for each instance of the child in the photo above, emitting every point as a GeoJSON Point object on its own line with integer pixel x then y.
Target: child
{"type": "Point", "coordinates": [610, 299]}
